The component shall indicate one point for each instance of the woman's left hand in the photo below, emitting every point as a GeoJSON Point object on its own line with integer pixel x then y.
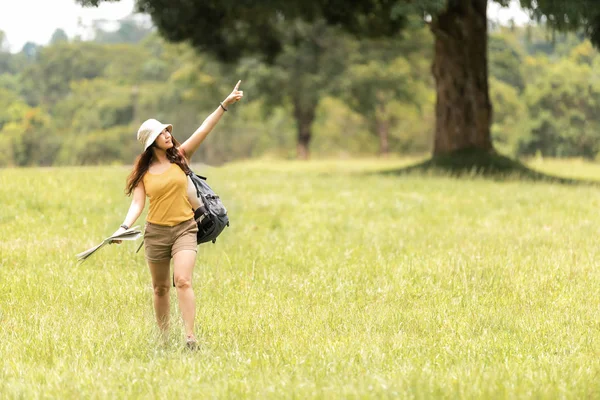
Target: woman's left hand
{"type": "Point", "coordinates": [235, 96]}
{"type": "Point", "coordinates": [117, 232]}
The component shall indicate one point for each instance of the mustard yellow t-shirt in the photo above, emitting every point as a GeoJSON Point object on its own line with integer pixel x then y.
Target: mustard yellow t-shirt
{"type": "Point", "coordinates": [167, 191]}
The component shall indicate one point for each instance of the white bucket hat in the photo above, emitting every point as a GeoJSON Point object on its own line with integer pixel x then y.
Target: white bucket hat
{"type": "Point", "coordinates": [150, 130]}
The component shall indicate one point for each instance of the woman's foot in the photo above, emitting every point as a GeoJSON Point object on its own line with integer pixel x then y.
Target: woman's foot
{"type": "Point", "coordinates": [191, 343]}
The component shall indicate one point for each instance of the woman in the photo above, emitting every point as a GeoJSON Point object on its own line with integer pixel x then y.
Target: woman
{"type": "Point", "coordinates": [170, 233]}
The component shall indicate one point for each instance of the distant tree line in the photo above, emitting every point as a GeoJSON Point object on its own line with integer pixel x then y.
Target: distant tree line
{"type": "Point", "coordinates": [326, 93]}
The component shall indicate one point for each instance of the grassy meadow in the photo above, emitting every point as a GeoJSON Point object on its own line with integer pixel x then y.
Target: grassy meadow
{"type": "Point", "coordinates": [333, 281]}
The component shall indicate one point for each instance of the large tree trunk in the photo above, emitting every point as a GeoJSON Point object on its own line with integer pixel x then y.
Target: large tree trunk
{"type": "Point", "coordinates": [304, 121]}
{"type": "Point", "coordinates": [463, 108]}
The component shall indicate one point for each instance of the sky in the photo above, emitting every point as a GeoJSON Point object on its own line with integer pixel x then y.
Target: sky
{"type": "Point", "coordinates": [35, 20]}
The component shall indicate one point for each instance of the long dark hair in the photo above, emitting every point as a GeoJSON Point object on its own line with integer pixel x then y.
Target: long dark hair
{"type": "Point", "coordinates": [142, 164]}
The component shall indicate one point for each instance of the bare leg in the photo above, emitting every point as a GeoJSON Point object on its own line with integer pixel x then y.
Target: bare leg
{"type": "Point", "coordinates": [184, 261]}
{"type": "Point", "coordinates": [161, 284]}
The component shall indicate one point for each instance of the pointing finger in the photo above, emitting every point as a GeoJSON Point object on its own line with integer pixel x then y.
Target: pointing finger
{"type": "Point", "coordinates": [237, 85]}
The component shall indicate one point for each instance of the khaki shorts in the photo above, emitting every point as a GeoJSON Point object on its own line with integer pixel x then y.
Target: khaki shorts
{"type": "Point", "coordinates": [162, 242]}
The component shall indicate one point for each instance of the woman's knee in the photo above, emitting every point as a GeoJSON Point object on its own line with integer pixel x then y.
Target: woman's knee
{"type": "Point", "coordinates": [161, 290]}
{"type": "Point", "coordinates": [183, 282]}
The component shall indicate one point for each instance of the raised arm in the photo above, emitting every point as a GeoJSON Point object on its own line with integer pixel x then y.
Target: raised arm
{"type": "Point", "coordinates": [190, 146]}
{"type": "Point", "coordinates": [135, 209]}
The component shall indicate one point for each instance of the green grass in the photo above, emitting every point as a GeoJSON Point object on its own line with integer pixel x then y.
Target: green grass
{"type": "Point", "coordinates": [332, 282]}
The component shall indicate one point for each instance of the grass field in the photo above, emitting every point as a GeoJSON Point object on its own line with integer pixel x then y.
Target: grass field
{"type": "Point", "coordinates": [332, 282]}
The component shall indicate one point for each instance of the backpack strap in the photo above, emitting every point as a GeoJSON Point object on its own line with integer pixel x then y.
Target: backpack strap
{"type": "Point", "coordinates": [196, 186]}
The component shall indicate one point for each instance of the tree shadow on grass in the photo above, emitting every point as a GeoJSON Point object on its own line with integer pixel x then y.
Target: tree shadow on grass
{"type": "Point", "coordinates": [477, 163]}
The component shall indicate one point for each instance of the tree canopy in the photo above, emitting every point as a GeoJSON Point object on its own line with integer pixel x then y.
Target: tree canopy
{"type": "Point", "coordinates": [231, 28]}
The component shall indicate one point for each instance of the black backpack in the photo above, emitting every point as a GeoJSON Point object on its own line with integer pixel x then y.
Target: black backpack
{"type": "Point", "coordinates": [211, 216]}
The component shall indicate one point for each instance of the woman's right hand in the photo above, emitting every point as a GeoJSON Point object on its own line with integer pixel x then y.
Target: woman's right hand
{"type": "Point", "coordinates": [235, 96]}
{"type": "Point", "coordinates": [117, 232]}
